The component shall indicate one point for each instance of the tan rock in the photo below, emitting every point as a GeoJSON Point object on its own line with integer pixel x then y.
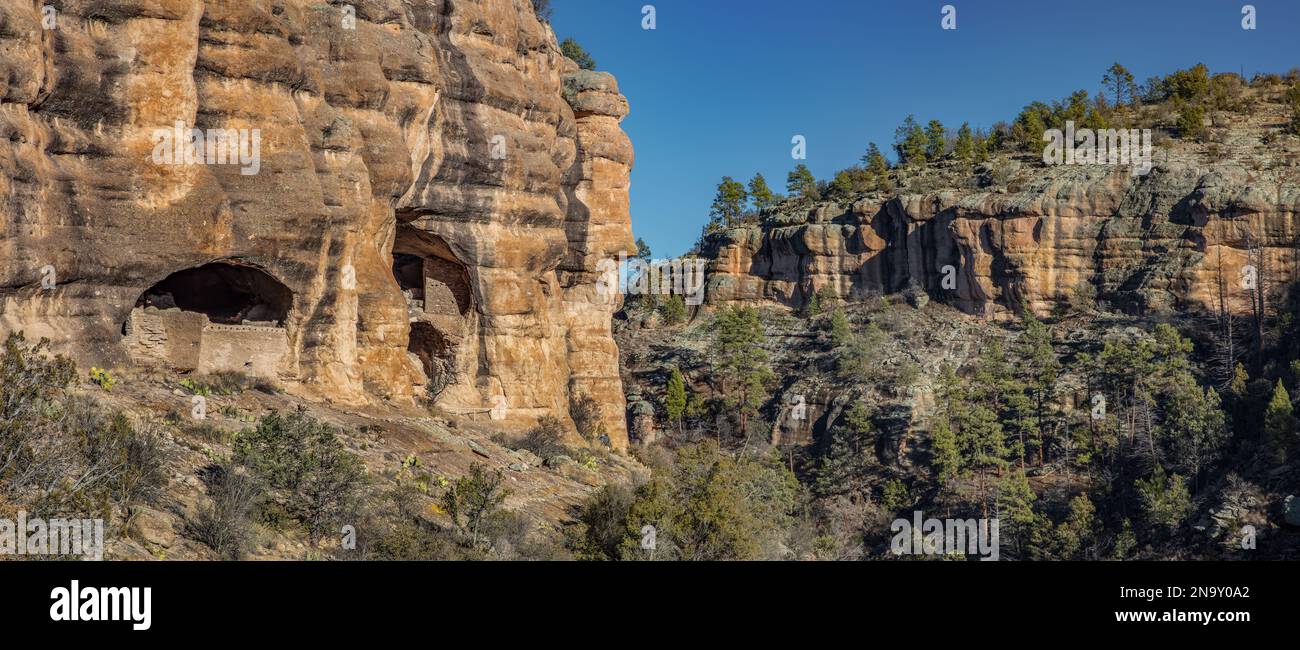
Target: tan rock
{"type": "Point", "coordinates": [443, 131]}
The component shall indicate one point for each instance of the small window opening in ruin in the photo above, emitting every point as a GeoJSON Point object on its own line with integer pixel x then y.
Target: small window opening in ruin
{"type": "Point", "coordinates": [409, 271]}
{"type": "Point", "coordinates": [228, 293]}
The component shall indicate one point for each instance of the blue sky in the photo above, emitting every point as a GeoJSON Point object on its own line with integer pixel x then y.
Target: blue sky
{"type": "Point", "coordinates": [721, 86]}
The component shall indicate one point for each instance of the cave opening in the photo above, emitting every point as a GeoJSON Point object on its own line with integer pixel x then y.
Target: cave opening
{"type": "Point", "coordinates": [439, 299]}
{"type": "Point", "coordinates": [227, 293]}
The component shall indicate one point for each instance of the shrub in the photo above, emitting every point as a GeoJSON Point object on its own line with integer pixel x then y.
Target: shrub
{"type": "Point", "coordinates": [226, 382]}
{"type": "Point", "coordinates": [575, 53]}
{"type": "Point", "coordinates": [30, 383]}
{"type": "Point", "coordinates": [602, 524]}
{"type": "Point", "coordinates": [473, 499]}
{"type": "Point", "coordinates": [586, 415]}
{"type": "Point", "coordinates": [673, 310]}
{"type": "Point", "coordinates": [1191, 122]}
{"type": "Point", "coordinates": [546, 439]}
{"type": "Point", "coordinates": [102, 378]}
{"type": "Point", "coordinates": [226, 523]}
{"type": "Point", "coordinates": [306, 460]}
{"type": "Point", "coordinates": [130, 460]}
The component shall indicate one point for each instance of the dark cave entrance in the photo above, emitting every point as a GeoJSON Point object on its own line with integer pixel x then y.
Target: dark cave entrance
{"type": "Point", "coordinates": [439, 299]}
{"type": "Point", "coordinates": [227, 293]}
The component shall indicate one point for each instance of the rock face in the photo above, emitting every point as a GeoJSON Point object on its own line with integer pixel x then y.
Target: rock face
{"type": "Point", "coordinates": [1143, 243]}
{"type": "Point", "coordinates": [425, 190]}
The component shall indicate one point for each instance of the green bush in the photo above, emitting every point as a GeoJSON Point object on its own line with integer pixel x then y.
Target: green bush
{"type": "Point", "coordinates": [31, 382]}
{"type": "Point", "coordinates": [473, 500]}
{"type": "Point", "coordinates": [673, 310]}
{"type": "Point", "coordinates": [706, 504]}
{"type": "Point", "coordinates": [226, 523]}
{"type": "Point", "coordinates": [306, 460]}
{"type": "Point", "coordinates": [1191, 122]}
{"type": "Point", "coordinates": [575, 53]}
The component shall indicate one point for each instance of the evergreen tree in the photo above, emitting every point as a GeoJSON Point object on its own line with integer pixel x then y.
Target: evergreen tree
{"type": "Point", "coordinates": [877, 168]}
{"type": "Point", "coordinates": [936, 140]}
{"type": "Point", "coordinates": [1191, 122]}
{"type": "Point", "coordinates": [673, 309]}
{"type": "Point", "coordinates": [1240, 380]}
{"type": "Point", "coordinates": [1119, 81]}
{"type": "Point", "coordinates": [1028, 129]}
{"type": "Point", "coordinates": [1279, 421]}
{"type": "Point", "coordinates": [1125, 541]}
{"type": "Point", "coordinates": [801, 183]}
{"type": "Point", "coordinates": [964, 148]}
{"type": "Point", "coordinates": [1194, 425]}
{"type": "Point", "coordinates": [841, 330]}
{"type": "Point", "coordinates": [946, 454]}
{"type": "Point", "coordinates": [1040, 368]}
{"type": "Point", "coordinates": [741, 360]}
{"type": "Point", "coordinates": [675, 397]}
{"type": "Point", "coordinates": [860, 358]}
{"type": "Point", "coordinates": [642, 249]}
{"type": "Point", "coordinates": [577, 54]}
{"type": "Point", "coordinates": [910, 142]}
{"type": "Point", "coordinates": [729, 203]}
{"type": "Point", "coordinates": [760, 193]}
{"type": "Point", "coordinates": [1076, 537]}
{"type": "Point", "coordinates": [1019, 523]}
{"type": "Point", "coordinates": [1165, 500]}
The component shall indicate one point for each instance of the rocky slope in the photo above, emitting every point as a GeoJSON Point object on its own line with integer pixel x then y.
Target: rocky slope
{"type": "Point", "coordinates": [449, 133]}
{"type": "Point", "coordinates": [1018, 234]}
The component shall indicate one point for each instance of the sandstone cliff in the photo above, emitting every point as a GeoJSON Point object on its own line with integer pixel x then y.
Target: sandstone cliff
{"type": "Point", "coordinates": [434, 186]}
{"type": "Point", "coordinates": [1015, 234]}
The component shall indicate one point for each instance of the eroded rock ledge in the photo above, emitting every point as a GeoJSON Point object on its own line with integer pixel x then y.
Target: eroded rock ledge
{"type": "Point", "coordinates": [436, 183]}
{"type": "Point", "coordinates": [1144, 244]}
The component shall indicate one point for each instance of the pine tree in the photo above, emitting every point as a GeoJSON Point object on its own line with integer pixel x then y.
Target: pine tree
{"type": "Point", "coordinates": [1041, 368]}
{"type": "Point", "coordinates": [675, 397]}
{"type": "Point", "coordinates": [946, 454]}
{"type": "Point", "coordinates": [1076, 537]}
{"type": "Point", "coordinates": [877, 168]}
{"type": "Point", "coordinates": [841, 330]}
{"type": "Point", "coordinates": [760, 193]}
{"type": "Point", "coordinates": [729, 203]}
{"type": "Point", "coordinates": [1240, 380]}
{"type": "Point", "coordinates": [1015, 509]}
{"type": "Point", "coordinates": [1165, 499]}
{"type": "Point", "coordinates": [964, 148]}
{"type": "Point", "coordinates": [1279, 421]}
{"type": "Point", "coordinates": [1119, 81]}
{"type": "Point", "coordinates": [910, 142]}
{"type": "Point", "coordinates": [741, 360]}
{"type": "Point", "coordinates": [1125, 541]}
{"type": "Point", "coordinates": [801, 183]}
{"type": "Point", "coordinates": [936, 140]}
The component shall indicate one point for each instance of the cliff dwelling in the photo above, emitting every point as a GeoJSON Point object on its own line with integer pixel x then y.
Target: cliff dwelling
{"type": "Point", "coordinates": [223, 316]}
{"type": "Point", "coordinates": [439, 300]}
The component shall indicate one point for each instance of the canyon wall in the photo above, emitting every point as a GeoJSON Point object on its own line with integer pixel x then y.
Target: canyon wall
{"type": "Point", "coordinates": [451, 133]}
{"type": "Point", "coordinates": [1143, 244]}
